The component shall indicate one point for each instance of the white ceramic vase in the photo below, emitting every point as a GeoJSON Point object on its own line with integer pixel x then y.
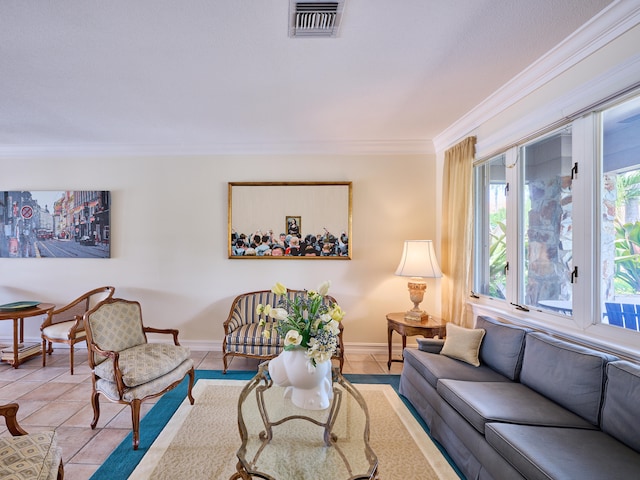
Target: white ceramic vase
{"type": "Point", "coordinates": [307, 387]}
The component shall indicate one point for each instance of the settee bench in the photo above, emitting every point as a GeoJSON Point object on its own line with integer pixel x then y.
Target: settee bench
{"type": "Point", "coordinates": [243, 333]}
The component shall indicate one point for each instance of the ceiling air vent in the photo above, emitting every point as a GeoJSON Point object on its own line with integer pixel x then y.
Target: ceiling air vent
{"type": "Point", "coordinates": [314, 19]}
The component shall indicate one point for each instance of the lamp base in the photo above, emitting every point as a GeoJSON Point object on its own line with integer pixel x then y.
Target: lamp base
{"type": "Point", "coordinates": [416, 316]}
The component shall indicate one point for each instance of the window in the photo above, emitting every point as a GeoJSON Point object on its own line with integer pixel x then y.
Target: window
{"type": "Point", "coordinates": [491, 228]}
{"type": "Point", "coordinates": [620, 214]}
{"type": "Point", "coordinates": [557, 228]}
{"type": "Point", "coordinates": [546, 240]}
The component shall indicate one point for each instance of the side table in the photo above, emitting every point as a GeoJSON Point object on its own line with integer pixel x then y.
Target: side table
{"type": "Point", "coordinates": [18, 317]}
{"type": "Point", "coordinates": [428, 328]}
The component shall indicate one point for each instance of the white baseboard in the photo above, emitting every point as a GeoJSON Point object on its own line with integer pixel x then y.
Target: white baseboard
{"type": "Point", "coordinates": [216, 346]}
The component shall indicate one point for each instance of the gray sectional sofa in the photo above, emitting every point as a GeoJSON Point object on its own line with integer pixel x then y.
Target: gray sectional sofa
{"type": "Point", "coordinates": [537, 407]}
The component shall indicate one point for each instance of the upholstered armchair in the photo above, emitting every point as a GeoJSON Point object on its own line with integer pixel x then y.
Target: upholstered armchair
{"type": "Point", "coordinates": [243, 332]}
{"type": "Point", "coordinates": [65, 325]}
{"type": "Point", "coordinates": [25, 456]}
{"type": "Point", "coordinates": [125, 367]}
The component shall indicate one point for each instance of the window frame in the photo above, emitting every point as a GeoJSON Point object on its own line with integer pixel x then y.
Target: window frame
{"type": "Point", "coordinates": [584, 324]}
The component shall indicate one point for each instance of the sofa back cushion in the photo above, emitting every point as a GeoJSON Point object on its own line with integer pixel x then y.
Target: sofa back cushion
{"type": "Point", "coordinates": [502, 347]}
{"type": "Point", "coordinates": [570, 375]}
{"type": "Point", "coordinates": [621, 409]}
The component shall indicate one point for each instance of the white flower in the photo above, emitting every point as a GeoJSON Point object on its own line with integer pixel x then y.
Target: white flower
{"type": "Point", "coordinates": [292, 339]}
{"type": "Point", "coordinates": [279, 313]}
{"type": "Point", "coordinates": [323, 289]}
{"type": "Point", "coordinates": [333, 327]}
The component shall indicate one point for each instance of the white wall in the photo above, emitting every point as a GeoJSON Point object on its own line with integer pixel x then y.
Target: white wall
{"type": "Point", "coordinates": [169, 231]}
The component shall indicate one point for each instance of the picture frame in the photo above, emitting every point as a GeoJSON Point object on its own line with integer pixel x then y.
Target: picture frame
{"type": "Point", "coordinates": [256, 210]}
{"type": "Point", "coordinates": [55, 224]}
{"type": "Point", "coordinates": [293, 224]}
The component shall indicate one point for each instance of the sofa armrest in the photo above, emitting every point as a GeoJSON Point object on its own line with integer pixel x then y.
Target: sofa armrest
{"type": "Point", "coordinates": [430, 345]}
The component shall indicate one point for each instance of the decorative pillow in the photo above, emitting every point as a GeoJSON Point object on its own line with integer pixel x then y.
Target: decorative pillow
{"type": "Point", "coordinates": [463, 343]}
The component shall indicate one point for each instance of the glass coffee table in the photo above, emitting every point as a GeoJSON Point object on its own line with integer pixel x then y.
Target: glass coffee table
{"type": "Point", "coordinates": [281, 441]}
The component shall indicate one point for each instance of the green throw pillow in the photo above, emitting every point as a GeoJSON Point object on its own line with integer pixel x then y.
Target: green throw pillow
{"type": "Point", "coordinates": [463, 344]}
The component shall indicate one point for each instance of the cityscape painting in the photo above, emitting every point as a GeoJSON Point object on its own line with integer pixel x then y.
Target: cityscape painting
{"type": "Point", "coordinates": [55, 224]}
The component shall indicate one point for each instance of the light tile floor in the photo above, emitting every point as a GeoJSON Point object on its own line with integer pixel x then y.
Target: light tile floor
{"type": "Point", "coordinates": [51, 398]}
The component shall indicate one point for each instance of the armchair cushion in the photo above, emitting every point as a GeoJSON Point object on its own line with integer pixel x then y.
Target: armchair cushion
{"type": "Point", "coordinates": [110, 389]}
{"type": "Point", "coordinates": [30, 457]}
{"type": "Point", "coordinates": [117, 326]}
{"type": "Point", "coordinates": [144, 363]}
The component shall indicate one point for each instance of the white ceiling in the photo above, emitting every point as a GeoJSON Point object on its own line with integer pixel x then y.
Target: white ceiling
{"type": "Point", "coordinates": [223, 75]}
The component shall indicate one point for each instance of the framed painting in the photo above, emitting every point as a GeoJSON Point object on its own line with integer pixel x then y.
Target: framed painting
{"type": "Point", "coordinates": [266, 220]}
{"type": "Point", "coordinates": [55, 224]}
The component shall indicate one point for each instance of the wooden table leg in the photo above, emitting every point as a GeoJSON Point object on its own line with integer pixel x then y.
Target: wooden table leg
{"type": "Point", "coordinates": [16, 321]}
{"type": "Point", "coordinates": [389, 332]}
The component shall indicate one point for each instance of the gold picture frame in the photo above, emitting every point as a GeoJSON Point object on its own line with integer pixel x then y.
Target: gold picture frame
{"type": "Point", "coordinates": [257, 209]}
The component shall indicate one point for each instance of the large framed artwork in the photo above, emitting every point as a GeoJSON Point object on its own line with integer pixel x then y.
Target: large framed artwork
{"type": "Point", "coordinates": [290, 220]}
{"type": "Point", "coordinates": [61, 224]}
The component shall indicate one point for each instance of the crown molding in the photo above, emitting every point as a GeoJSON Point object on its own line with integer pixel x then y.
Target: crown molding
{"type": "Point", "coordinates": [382, 147]}
{"type": "Point", "coordinates": [612, 22]}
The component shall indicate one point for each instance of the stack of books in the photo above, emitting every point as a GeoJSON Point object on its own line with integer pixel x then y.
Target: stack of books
{"type": "Point", "coordinates": [25, 350]}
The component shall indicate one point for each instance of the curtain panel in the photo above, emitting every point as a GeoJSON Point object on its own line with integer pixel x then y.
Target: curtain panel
{"type": "Point", "coordinates": [457, 231]}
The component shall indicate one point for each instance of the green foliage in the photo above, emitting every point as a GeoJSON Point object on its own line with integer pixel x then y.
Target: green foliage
{"type": "Point", "coordinates": [627, 259]}
{"type": "Point", "coordinates": [497, 260]}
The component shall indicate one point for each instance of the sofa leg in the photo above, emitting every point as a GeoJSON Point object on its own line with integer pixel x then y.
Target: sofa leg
{"type": "Point", "coordinates": [224, 363]}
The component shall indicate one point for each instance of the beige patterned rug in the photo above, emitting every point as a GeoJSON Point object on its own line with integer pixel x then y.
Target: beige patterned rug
{"type": "Point", "coordinates": [186, 449]}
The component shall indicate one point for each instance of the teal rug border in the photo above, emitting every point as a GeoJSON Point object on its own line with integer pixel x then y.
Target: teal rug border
{"type": "Point", "coordinates": [124, 459]}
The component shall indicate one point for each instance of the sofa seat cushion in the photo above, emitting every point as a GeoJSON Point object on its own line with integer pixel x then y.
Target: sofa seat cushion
{"type": "Point", "coordinates": [483, 402]}
{"type": "Point", "coordinates": [543, 453]}
{"type": "Point", "coordinates": [569, 374]}
{"type": "Point", "coordinates": [30, 457]}
{"type": "Point", "coordinates": [434, 367]}
{"type": "Point", "coordinates": [144, 363]}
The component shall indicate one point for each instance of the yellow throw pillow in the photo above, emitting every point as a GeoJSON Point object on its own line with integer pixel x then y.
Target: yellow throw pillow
{"type": "Point", "coordinates": [463, 343]}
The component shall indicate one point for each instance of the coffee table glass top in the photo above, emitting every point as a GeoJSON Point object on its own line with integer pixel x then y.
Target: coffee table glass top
{"type": "Point", "coordinates": [281, 441]}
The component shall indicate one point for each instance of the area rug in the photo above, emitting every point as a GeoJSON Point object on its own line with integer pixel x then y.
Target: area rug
{"type": "Point", "coordinates": [186, 448]}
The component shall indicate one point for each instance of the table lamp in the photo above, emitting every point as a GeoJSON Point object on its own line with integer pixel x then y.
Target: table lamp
{"type": "Point", "coordinates": [418, 262]}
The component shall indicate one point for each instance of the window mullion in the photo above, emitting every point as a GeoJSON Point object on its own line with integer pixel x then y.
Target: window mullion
{"type": "Point", "coordinates": [585, 192]}
{"type": "Point", "coordinates": [513, 228]}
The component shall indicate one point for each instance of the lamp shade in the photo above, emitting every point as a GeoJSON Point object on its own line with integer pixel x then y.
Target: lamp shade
{"type": "Point", "coordinates": [419, 260]}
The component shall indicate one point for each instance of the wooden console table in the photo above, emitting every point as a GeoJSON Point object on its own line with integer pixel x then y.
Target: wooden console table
{"type": "Point", "coordinates": [428, 328]}
{"type": "Point", "coordinates": [18, 317]}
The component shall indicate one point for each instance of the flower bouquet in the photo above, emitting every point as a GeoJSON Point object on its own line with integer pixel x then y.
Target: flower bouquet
{"type": "Point", "coordinates": [305, 322]}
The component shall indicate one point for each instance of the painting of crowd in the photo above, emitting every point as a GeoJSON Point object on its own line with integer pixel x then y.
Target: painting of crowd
{"type": "Point", "coordinates": [289, 244]}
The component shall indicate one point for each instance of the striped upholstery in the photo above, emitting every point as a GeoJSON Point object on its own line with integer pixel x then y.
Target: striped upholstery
{"type": "Point", "coordinates": [243, 334]}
